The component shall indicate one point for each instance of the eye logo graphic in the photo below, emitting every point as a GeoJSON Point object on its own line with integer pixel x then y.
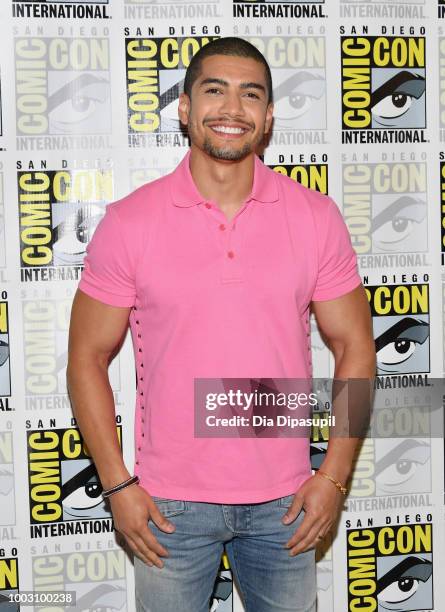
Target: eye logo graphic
{"type": "Point", "coordinates": [401, 326]}
{"type": "Point", "coordinates": [383, 83]}
{"type": "Point", "coordinates": [390, 568]}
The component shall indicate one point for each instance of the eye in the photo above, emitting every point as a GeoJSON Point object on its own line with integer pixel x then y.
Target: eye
{"type": "Point", "coordinates": [394, 224]}
{"type": "Point", "coordinates": [74, 233]}
{"type": "Point", "coordinates": [213, 90]}
{"type": "Point", "coordinates": [84, 497]}
{"type": "Point", "coordinates": [294, 105]}
{"type": "Point", "coordinates": [397, 344]}
{"type": "Point", "coordinates": [394, 105]}
{"type": "Point", "coordinates": [396, 352]}
{"type": "Point", "coordinates": [399, 590]}
{"type": "Point", "coordinates": [76, 104]}
{"type": "Point", "coordinates": [253, 95]}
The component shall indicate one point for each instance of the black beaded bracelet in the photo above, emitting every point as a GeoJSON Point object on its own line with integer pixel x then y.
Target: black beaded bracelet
{"type": "Point", "coordinates": [122, 485]}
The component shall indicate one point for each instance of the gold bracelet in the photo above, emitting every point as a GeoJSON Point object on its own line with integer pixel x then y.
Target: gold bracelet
{"type": "Point", "coordinates": [337, 483]}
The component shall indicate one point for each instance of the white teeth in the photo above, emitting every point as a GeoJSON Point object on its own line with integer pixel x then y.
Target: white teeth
{"type": "Point", "coordinates": [227, 130]}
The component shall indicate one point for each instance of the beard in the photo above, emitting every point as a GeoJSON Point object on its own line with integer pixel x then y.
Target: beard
{"type": "Point", "coordinates": [227, 153]}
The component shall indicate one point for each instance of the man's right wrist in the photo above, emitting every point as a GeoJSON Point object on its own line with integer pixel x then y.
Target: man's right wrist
{"type": "Point", "coordinates": [111, 480]}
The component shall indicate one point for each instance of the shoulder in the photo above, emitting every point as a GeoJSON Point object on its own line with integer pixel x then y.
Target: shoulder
{"type": "Point", "coordinates": [300, 198]}
{"type": "Point", "coordinates": [141, 204]}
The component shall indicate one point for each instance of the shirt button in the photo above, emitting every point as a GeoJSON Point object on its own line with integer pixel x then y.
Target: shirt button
{"type": "Point", "coordinates": [222, 227]}
{"type": "Point", "coordinates": [230, 254]}
{"type": "Point", "coordinates": [137, 462]}
{"type": "Point", "coordinates": [139, 448]}
{"type": "Point", "coordinates": [208, 205]}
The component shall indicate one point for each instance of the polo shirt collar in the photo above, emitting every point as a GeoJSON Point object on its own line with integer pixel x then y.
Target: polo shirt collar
{"type": "Point", "coordinates": [185, 193]}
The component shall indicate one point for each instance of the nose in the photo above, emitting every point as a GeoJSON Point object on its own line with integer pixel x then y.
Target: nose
{"type": "Point", "coordinates": [231, 104]}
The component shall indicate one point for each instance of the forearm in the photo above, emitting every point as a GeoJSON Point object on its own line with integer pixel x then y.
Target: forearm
{"type": "Point", "coordinates": [93, 407]}
{"type": "Point", "coordinates": [357, 400]}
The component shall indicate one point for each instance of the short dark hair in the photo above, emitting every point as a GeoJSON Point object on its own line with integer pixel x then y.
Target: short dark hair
{"type": "Point", "coordinates": [229, 45]}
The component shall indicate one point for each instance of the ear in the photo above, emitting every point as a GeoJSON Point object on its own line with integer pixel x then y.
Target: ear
{"type": "Point", "coordinates": [184, 108]}
{"type": "Point", "coordinates": [269, 117]}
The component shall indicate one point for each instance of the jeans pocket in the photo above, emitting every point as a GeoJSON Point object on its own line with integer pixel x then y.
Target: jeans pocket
{"type": "Point", "coordinates": [286, 501]}
{"type": "Point", "coordinates": [170, 507]}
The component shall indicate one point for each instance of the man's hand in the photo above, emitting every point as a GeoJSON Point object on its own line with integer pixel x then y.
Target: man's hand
{"type": "Point", "coordinates": [322, 502]}
{"type": "Point", "coordinates": [132, 507]}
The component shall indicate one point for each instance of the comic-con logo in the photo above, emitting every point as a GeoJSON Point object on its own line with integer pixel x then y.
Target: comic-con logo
{"type": "Point", "coordinates": [401, 324]}
{"type": "Point", "coordinates": [313, 176]}
{"type": "Point", "coordinates": [58, 213]}
{"type": "Point", "coordinates": [63, 482]}
{"type": "Point", "coordinates": [9, 579]}
{"type": "Point", "coordinates": [390, 567]}
{"type": "Point", "coordinates": [5, 368]}
{"type": "Point", "coordinates": [62, 92]}
{"type": "Point", "coordinates": [383, 88]}
{"type": "Point", "coordinates": [57, 9]}
{"type": "Point", "coordinates": [155, 78]}
{"type": "Point", "coordinates": [298, 66]}
{"type": "Point", "coordinates": [277, 9]}
{"type": "Point", "coordinates": [96, 575]}
{"type": "Point", "coordinates": [385, 207]}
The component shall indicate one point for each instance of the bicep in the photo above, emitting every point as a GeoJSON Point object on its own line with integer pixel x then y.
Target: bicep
{"type": "Point", "coordinates": [345, 321]}
{"type": "Point", "coordinates": [96, 328]}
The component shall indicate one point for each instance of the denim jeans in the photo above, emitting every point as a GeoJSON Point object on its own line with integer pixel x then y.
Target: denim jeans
{"type": "Point", "coordinates": [253, 536]}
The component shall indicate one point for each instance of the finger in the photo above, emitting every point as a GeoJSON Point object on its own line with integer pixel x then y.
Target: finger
{"type": "Point", "coordinates": [307, 542]}
{"type": "Point", "coordinates": [307, 524]}
{"type": "Point", "coordinates": [148, 552]}
{"type": "Point", "coordinates": [139, 553]}
{"type": "Point", "coordinates": [151, 542]}
{"type": "Point", "coordinates": [160, 521]}
{"type": "Point", "coordinates": [294, 510]}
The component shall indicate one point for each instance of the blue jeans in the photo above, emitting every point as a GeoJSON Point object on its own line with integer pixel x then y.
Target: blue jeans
{"type": "Point", "coordinates": [268, 578]}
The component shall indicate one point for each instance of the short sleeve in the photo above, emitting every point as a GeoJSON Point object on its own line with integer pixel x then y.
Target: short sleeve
{"type": "Point", "coordinates": [337, 261]}
{"type": "Point", "coordinates": [108, 271]}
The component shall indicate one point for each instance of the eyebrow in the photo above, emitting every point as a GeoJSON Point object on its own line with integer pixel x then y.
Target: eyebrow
{"type": "Point", "coordinates": [215, 80]}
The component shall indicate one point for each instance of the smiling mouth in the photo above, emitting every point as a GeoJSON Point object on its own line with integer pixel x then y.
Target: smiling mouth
{"type": "Point", "coordinates": [227, 130]}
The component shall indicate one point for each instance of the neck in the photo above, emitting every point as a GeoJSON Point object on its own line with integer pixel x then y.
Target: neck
{"type": "Point", "coordinates": [224, 182]}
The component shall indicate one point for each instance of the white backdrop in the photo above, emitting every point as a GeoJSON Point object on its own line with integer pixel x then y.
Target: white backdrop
{"type": "Point", "coordinates": [88, 113]}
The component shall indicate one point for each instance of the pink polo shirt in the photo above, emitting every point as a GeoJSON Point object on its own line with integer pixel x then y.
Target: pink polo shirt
{"type": "Point", "coordinates": [216, 298]}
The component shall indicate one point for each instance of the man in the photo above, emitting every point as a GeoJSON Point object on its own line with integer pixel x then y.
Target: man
{"type": "Point", "coordinates": [216, 266]}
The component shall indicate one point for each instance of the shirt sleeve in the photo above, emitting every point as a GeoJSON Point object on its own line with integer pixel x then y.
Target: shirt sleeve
{"type": "Point", "coordinates": [108, 274]}
{"type": "Point", "coordinates": [337, 261]}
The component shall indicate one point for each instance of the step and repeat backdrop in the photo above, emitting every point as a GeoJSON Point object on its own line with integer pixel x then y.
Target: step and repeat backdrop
{"type": "Point", "coordinates": [89, 95]}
